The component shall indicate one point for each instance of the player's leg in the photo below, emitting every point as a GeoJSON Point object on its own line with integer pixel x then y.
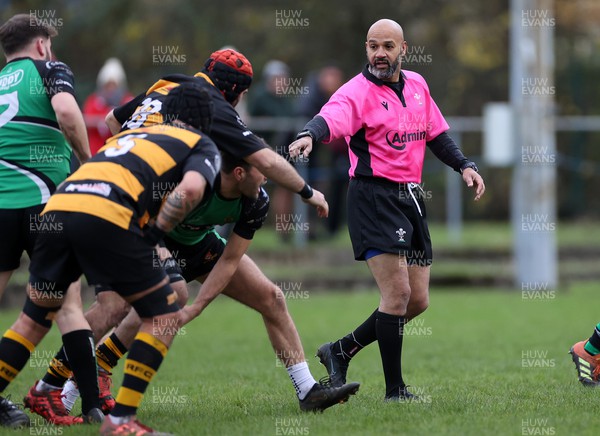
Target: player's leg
{"type": "Point", "coordinates": [116, 345]}
{"type": "Point", "coordinates": [384, 325]}
{"type": "Point", "coordinates": [419, 291]}
{"type": "Point", "coordinates": [108, 310]}
{"type": "Point", "coordinates": [586, 356]}
{"type": "Point", "coordinates": [252, 288]}
{"type": "Point", "coordinates": [4, 278]}
{"type": "Point", "coordinates": [407, 285]}
{"type": "Point", "coordinates": [44, 398]}
{"type": "Point", "coordinates": [110, 254]}
{"type": "Point", "coordinates": [381, 237]}
{"type": "Point", "coordinates": [16, 346]}
{"type": "Point", "coordinates": [78, 344]}
{"type": "Point", "coordinates": [391, 274]}
{"type": "Point", "coordinates": [113, 347]}
{"type": "Point", "coordinates": [14, 235]}
{"type": "Point", "coordinates": [156, 305]}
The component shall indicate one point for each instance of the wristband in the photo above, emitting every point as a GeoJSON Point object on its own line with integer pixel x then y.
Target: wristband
{"type": "Point", "coordinates": [153, 235]}
{"type": "Point", "coordinates": [469, 165]}
{"type": "Point", "coordinates": [305, 133]}
{"type": "Point", "coordinates": [306, 192]}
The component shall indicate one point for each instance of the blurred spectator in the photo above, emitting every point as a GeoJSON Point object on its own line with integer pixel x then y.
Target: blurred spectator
{"type": "Point", "coordinates": [322, 84]}
{"type": "Point", "coordinates": [111, 91]}
{"type": "Point", "coordinates": [268, 99]}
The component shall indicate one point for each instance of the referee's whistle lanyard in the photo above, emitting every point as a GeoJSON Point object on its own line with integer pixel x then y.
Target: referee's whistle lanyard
{"type": "Point", "coordinates": [412, 186]}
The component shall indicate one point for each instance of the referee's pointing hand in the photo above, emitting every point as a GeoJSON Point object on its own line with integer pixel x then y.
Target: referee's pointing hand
{"type": "Point", "coordinates": [301, 146]}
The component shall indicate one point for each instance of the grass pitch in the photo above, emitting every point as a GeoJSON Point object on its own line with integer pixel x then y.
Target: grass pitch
{"type": "Point", "coordinates": [485, 362]}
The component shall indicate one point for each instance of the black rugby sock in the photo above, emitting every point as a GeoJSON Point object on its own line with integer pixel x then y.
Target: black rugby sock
{"type": "Point", "coordinates": [109, 352]}
{"type": "Point", "coordinates": [80, 350]}
{"type": "Point", "coordinates": [362, 336]}
{"type": "Point", "coordinates": [59, 370]}
{"type": "Point", "coordinates": [390, 331]}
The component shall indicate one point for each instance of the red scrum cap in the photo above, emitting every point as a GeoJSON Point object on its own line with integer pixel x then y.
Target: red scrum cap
{"type": "Point", "coordinates": [230, 71]}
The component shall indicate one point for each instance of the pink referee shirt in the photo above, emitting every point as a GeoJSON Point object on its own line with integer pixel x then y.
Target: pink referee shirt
{"type": "Point", "coordinates": [385, 132]}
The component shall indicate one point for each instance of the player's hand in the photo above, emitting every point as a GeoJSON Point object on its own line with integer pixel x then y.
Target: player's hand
{"type": "Point", "coordinates": [318, 200]}
{"type": "Point", "coordinates": [301, 146]}
{"type": "Point", "coordinates": [473, 179]}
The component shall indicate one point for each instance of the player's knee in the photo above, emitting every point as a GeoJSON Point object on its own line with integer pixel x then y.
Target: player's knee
{"type": "Point", "coordinates": [113, 307]}
{"type": "Point", "coordinates": [273, 303]}
{"type": "Point", "coordinates": [42, 315]}
{"type": "Point", "coordinates": [419, 306]}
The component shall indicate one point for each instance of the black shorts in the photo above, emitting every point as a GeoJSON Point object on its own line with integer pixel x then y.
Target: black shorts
{"type": "Point", "coordinates": [18, 230]}
{"type": "Point", "coordinates": [199, 259]}
{"type": "Point", "coordinates": [104, 252]}
{"type": "Point", "coordinates": [390, 217]}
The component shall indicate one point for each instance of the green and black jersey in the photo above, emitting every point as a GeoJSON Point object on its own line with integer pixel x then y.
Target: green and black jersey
{"type": "Point", "coordinates": [34, 154]}
{"type": "Point", "coordinates": [247, 214]}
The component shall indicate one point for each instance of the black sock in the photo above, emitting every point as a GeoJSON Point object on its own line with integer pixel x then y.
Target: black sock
{"type": "Point", "coordinates": [109, 352]}
{"type": "Point", "coordinates": [59, 370]}
{"type": "Point", "coordinates": [362, 336]}
{"type": "Point", "coordinates": [80, 350]}
{"type": "Point", "coordinates": [389, 335]}
{"type": "Point", "coordinates": [14, 354]}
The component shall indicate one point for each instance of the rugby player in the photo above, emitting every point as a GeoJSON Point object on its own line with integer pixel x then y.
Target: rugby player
{"type": "Point", "coordinates": [41, 126]}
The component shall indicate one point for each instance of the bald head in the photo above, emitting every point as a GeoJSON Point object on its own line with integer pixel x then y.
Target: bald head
{"type": "Point", "coordinates": [386, 27]}
{"type": "Point", "coordinates": [385, 48]}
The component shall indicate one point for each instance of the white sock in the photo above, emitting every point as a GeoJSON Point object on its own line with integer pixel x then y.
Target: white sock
{"type": "Point", "coordinates": [301, 378]}
{"type": "Point", "coordinates": [118, 420]}
{"type": "Point", "coordinates": [70, 394]}
{"type": "Point", "coordinates": [42, 386]}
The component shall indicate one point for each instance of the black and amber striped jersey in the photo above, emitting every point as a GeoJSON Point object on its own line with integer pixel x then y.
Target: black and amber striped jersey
{"type": "Point", "coordinates": [228, 130]}
{"type": "Point", "coordinates": [127, 180]}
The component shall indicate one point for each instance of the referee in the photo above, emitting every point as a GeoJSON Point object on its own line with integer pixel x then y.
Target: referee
{"type": "Point", "coordinates": [387, 117]}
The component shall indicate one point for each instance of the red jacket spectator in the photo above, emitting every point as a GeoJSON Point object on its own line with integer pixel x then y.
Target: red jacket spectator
{"type": "Point", "coordinates": [111, 92]}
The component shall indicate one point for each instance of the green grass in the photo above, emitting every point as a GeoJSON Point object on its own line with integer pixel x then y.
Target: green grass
{"type": "Point", "coordinates": [465, 357]}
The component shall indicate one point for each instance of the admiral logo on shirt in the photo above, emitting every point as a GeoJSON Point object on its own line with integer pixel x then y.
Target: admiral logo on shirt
{"type": "Point", "coordinates": [398, 141]}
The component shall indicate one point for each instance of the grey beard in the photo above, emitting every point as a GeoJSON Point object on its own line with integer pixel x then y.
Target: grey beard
{"type": "Point", "coordinates": [385, 74]}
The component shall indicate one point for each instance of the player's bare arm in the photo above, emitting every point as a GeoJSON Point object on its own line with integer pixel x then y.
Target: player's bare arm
{"type": "Point", "coordinates": [181, 201]}
{"type": "Point", "coordinates": [276, 168]}
{"type": "Point", "coordinates": [70, 120]}
{"type": "Point", "coordinates": [219, 277]}
{"type": "Point", "coordinates": [113, 125]}
{"type": "Point", "coordinates": [279, 170]}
